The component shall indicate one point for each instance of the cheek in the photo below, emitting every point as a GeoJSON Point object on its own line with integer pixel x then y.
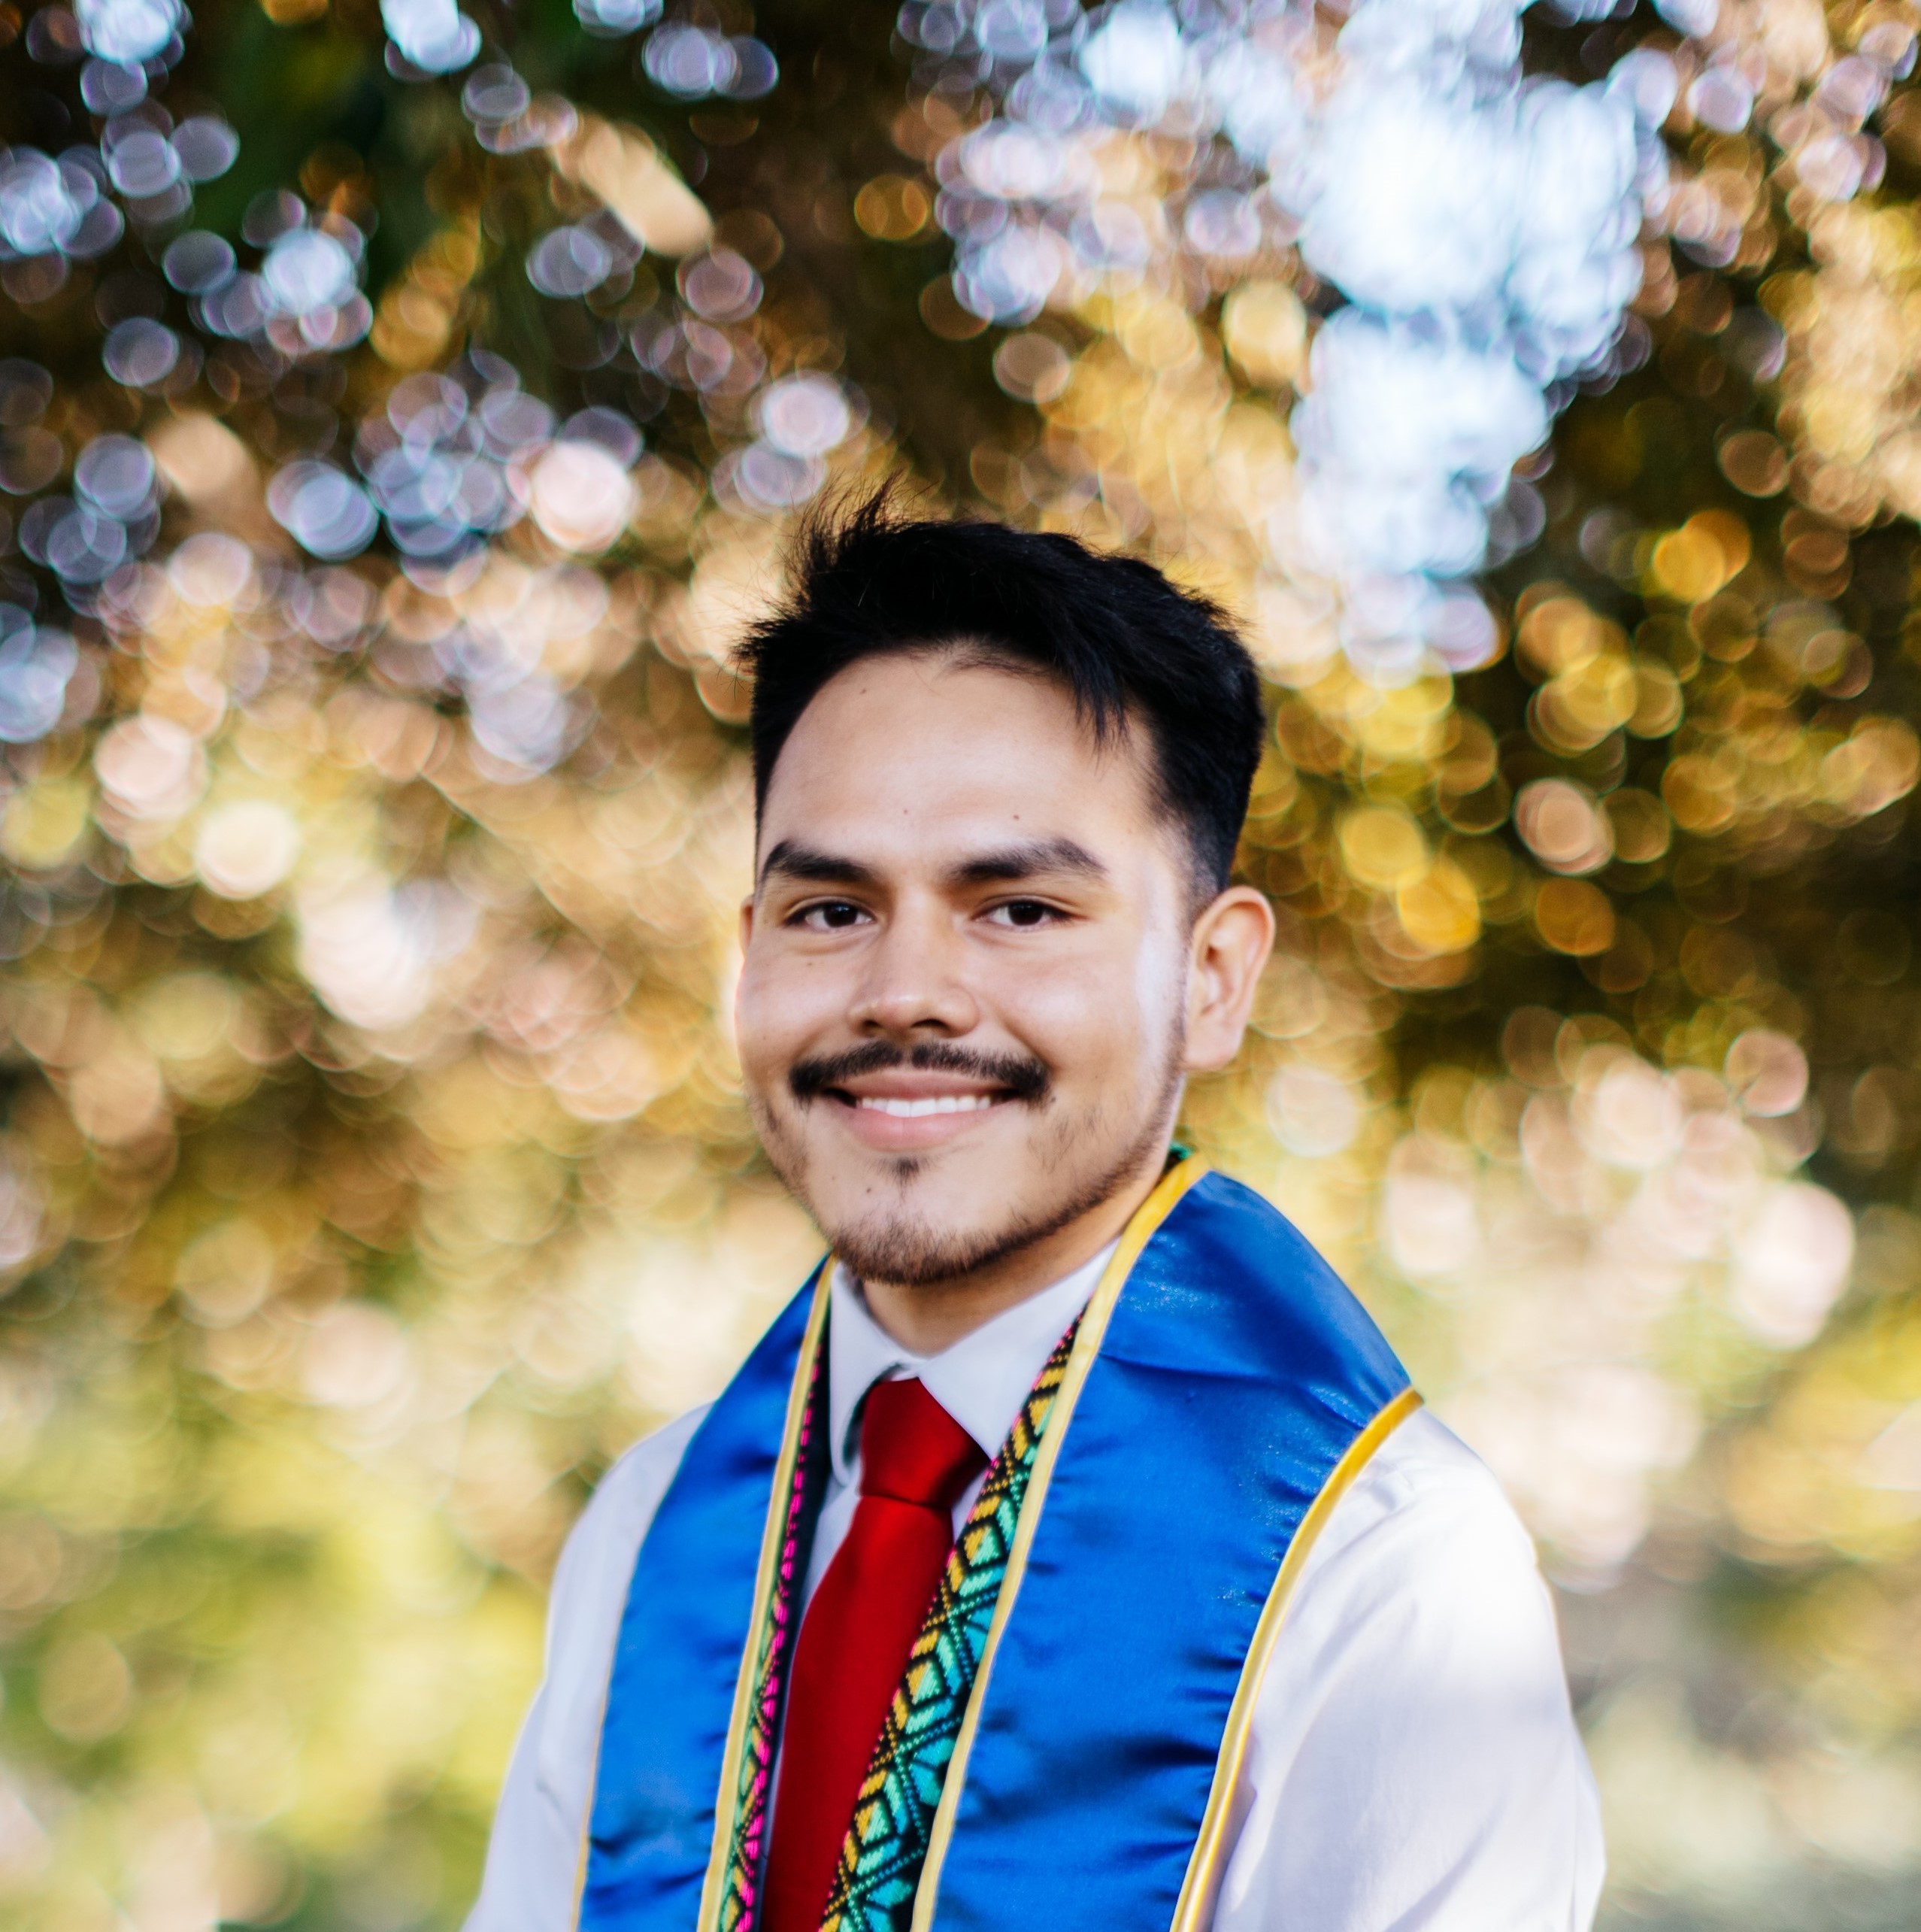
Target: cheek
{"type": "Point", "coordinates": [1160, 984]}
{"type": "Point", "coordinates": [763, 1019]}
{"type": "Point", "coordinates": [786, 1004]}
{"type": "Point", "coordinates": [1087, 1017]}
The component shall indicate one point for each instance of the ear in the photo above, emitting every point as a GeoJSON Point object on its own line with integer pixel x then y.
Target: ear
{"type": "Point", "coordinates": [1232, 940]}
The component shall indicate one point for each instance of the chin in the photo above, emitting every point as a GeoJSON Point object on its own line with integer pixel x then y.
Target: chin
{"type": "Point", "coordinates": [904, 1220]}
{"type": "Point", "coordinates": [916, 1253]}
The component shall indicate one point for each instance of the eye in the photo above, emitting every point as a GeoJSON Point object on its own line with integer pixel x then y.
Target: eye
{"type": "Point", "coordinates": [830, 915]}
{"type": "Point", "coordinates": [1025, 915]}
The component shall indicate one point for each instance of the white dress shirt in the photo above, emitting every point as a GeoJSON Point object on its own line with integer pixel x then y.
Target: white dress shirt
{"type": "Point", "coordinates": [1413, 1764]}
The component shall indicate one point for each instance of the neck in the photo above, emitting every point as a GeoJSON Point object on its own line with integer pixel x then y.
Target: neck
{"type": "Point", "coordinates": [927, 1317]}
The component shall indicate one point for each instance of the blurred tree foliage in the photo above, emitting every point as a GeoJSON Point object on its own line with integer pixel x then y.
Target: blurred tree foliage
{"type": "Point", "coordinates": [374, 1168]}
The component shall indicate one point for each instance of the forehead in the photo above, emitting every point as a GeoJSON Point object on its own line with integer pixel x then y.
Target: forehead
{"type": "Point", "coordinates": [934, 749]}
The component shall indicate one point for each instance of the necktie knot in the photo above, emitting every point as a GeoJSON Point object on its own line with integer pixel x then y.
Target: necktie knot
{"type": "Point", "coordinates": [911, 1449]}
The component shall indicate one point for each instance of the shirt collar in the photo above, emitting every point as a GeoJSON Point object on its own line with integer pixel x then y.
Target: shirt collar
{"type": "Point", "coordinates": [981, 1381]}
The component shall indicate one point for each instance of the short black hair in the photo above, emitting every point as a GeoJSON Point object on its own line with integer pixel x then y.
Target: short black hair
{"type": "Point", "coordinates": [867, 581]}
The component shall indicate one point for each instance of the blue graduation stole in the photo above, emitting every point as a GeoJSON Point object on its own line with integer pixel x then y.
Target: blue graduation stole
{"type": "Point", "coordinates": [1223, 1390]}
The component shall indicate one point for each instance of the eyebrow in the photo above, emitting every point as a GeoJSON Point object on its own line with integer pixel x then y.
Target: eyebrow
{"type": "Point", "coordinates": [1032, 859]}
{"type": "Point", "coordinates": [811, 866]}
{"type": "Point", "coordinates": [1006, 865]}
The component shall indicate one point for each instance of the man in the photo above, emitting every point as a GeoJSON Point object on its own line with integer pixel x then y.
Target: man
{"type": "Point", "coordinates": [963, 1606]}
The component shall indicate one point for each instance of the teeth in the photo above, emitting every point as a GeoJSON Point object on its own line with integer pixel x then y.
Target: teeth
{"type": "Point", "coordinates": [912, 1110]}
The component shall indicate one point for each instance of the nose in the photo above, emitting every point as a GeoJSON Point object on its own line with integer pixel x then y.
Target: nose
{"type": "Point", "coordinates": [915, 984]}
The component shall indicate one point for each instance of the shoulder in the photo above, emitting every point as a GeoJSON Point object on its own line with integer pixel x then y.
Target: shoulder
{"type": "Point", "coordinates": [1426, 1540]}
{"type": "Point", "coordinates": [590, 1585]}
{"type": "Point", "coordinates": [1412, 1728]}
{"type": "Point", "coordinates": [631, 1490]}
{"type": "Point", "coordinates": [621, 1510]}
{"type": "Point", "coordinates": [1424, 1477]}
{"type": "Point", "coordinates": [1424, 1486]}
{"type": "Point", "coordinates": [1421, 1619]}
{"type": "Point", "coordinates": [534, 1847]}
{"type": "Point", "coordinates": [589, 1595]}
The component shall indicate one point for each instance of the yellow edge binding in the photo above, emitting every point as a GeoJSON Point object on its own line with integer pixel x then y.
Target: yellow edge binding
{"type": "Point", "coordinates": [726, 1804]}
{"type": "Point", "coordinates": [1148, 1219]}
{"type": "Point", "coordinates": [1203, 1880]}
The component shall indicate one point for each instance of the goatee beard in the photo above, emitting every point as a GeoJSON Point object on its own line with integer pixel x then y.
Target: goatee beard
{"type": "Point", "coordinates": [909, 1253]}
{"type": "Point", "coordinates": [906, 1249]}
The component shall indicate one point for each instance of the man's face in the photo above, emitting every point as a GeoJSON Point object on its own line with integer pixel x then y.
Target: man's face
{"type": "Point", "coordinates": [966, 965]}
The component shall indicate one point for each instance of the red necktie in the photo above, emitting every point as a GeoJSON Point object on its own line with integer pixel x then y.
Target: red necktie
{"type": "Point", "coordinates": [916, 1461]}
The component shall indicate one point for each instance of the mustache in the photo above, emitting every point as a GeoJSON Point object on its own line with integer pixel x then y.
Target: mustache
{"type": "Point", "coordinates": [1025, 1079]}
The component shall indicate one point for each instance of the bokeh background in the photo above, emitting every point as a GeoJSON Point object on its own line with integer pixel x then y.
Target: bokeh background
{"type": "Point", "coordinates": [399, 410]}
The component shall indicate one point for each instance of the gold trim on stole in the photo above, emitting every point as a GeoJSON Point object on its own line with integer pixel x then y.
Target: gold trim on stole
{"type": "Point", "coordinates": [1198, 1891]}
{"type": "Point", "coordinates": [1146, 1221]}
{"type": "Point", "coordinates": [726, 1808]}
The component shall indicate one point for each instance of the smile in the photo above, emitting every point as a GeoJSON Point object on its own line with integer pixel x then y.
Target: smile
{"type": "Point", "coordinates": [913, 1110]}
